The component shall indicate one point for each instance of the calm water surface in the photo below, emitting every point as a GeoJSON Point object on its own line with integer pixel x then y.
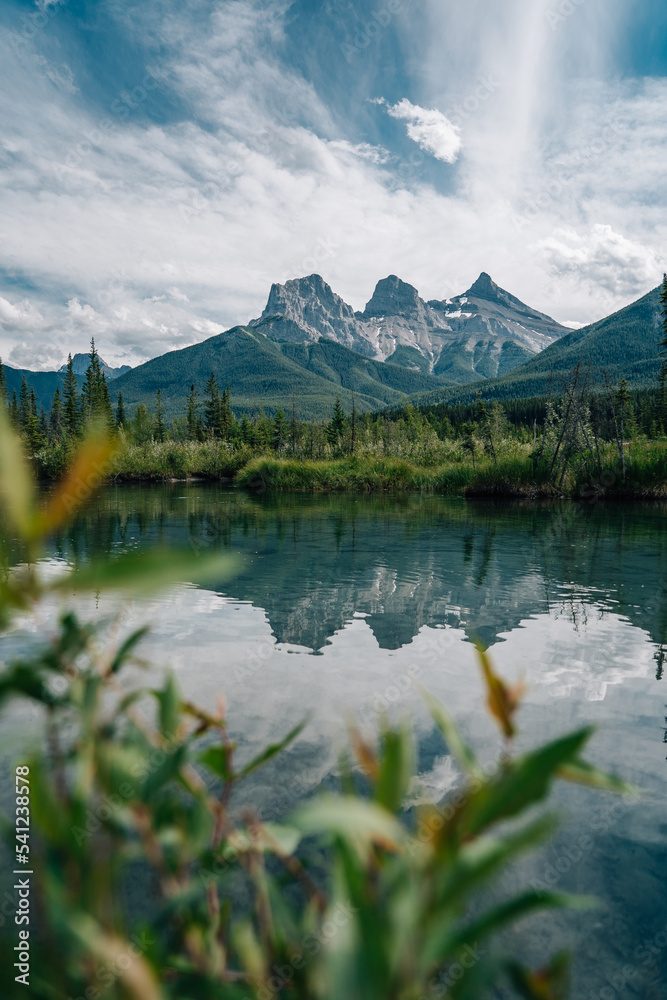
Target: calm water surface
{"type": "Point", "coordinates": [341, 602]}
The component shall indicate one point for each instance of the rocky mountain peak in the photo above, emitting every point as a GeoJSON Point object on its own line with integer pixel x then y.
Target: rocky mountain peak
{"type": "Point", "coordinates": [484, 288]}
{"type": "Point", "coordinates": [306, 294]}
{"type": "Point", "coordinates": [393, 297]}
{"type": "Point", "coordinates": [80, 364]}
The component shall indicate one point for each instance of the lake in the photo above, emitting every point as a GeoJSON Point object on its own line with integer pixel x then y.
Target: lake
{"type": "Point", "coordinates": [341, 603]}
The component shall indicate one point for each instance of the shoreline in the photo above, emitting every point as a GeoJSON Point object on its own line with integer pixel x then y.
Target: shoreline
{"type": "Point", "coordinates": [321, 478]}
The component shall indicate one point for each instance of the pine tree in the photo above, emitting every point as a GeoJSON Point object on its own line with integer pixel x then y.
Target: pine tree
{"type": "Point", "coordinates": [226, 413]}
{"type": "Point", "coordinates": [105, 408]}
{"type": "Point", "coordinates": [4, 394]}
{"type": "Point", "coordinates": [663, 311]}
{"type": "Point", "coordinates": [623, 419]}
{"type": "Point", "coordinates": [56, 416]}
{"type": "Point", "coordinates": [160, 427]}
{"type": "Point", "coordinates": [14, 410]}
{"type": "Point", "coordinates": [279, 423]}
{"type": "Point", "coordinates": [293, 425]}
{"type": "Point", "coordinates": [121, 419]}
{"type": "Point", "coordinates": [192, 418]}
{"type": "Point", "coordinates": [485, 426]}
{"type": "Point", "coordinates": [247, 435]}
{"type": "Point", "coordinates": [337, 424]}
{"type": "Point", "coordinates": [71, 416]}
{"type": "Point", "coordinates": [353, 425]}
{"type": "Point", "coordinates": [24, 405]}
{"type": "Point", "coordinates": [662, 398]}
{"type": "Point", "coordinates": [213, 408]}
{"type": "Point", "coordinates": [142, 425]}
{"type": "Point", "coordinates": [96, 402]}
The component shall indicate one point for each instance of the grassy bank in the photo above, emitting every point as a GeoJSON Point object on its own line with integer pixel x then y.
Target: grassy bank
{"type": "Point", "coordinates": [511, 476]}
{"type": "Point", "coordinates": [516, 473]}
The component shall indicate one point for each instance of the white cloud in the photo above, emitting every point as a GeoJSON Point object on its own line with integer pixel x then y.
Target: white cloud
{"type": "Point", "coordinates": [600, 257]}
{"type": "Point", "coordinates": [163, 234]}
{"type": "Point", "coordinates": [430, 129]}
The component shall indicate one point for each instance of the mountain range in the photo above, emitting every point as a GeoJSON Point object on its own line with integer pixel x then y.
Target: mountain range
{"type": "Point", "coordinates": [310, 345]}
{"type": "Point", "coordinates": [80, 364]}
{"type": "Point", "coordinates": [480, 334]}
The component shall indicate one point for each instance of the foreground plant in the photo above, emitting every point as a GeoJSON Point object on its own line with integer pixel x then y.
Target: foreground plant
{"type": "Point", "coordinates": [148, 884]}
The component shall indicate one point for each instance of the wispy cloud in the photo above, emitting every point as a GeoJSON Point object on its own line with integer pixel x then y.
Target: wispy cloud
{"type": "Point", "coordinates": [154, 220]}
{"type": "Point", "coordinates": [430, 129]}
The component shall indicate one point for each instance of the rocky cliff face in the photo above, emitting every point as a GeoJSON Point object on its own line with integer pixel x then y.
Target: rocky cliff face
{"type": "Point", "coordinates": [483, 333]}
{"type": "Point", "coordinates": [306, 310]}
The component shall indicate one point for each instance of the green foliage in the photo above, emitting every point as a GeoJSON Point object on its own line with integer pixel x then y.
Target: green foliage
{"type": "Point", "coordinates": [122, 792]}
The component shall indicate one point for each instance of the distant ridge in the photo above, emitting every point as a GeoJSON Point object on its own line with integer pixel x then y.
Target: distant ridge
{"type": "Point", "coordinates": [623, 345]}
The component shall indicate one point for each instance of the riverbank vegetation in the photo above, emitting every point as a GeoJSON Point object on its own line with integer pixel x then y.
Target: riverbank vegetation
{"type": "Point", "coordinates": [583, 438]}
{"type": "Point", "coordinates": [146, 877]}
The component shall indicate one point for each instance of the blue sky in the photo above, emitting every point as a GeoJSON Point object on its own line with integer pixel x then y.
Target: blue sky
{"type": "Point", "coordinates": [163, 163]}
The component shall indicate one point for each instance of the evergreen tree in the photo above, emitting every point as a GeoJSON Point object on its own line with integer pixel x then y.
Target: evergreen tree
{"type": "Point", "coordinates": [293, 425]}
{"type": "Point", "coordinates": [192, 419]}
{"type": "Point", "coordinates": [160, 429]}
{"type": "Point", "coordinates": [337, 424]}
{"type": "Point", "coordinates": [213, 408]}
{"type": "Point", "coordinates": [623, 419]}
{"type": "Point", "coordinates": [106, 409]}
{"type": "Point", "coordinates": [56, 416]}
{"type": "Point", "coordinates": [353, 425]}
{"type": "Point", "coordinates": [247, 430]}
{"type": "Point", "coordinates": [142, 425]}
{"type": "Point", "coordinates": [24, 405]}
{"type": "Point", "coordinates": [4, 394]}
{"type": "Point", "coordinates": [279, 425]}
{"type": "Point", "coordinates": [71, 414]}
{"type": "Point", "coordinates": [121, 419]}
{"type": "Point", "coordinates": [662, 398]}
{"type": "Point", "coordinates": [96, 402]}
{"type": "Point", "coordinates": [485, 426]}
{"type": "Point", "coordinates": [226, 414]}
{"type": "Point", "coordinates": [14, 410]}
{"type": "Point", "coordinates": [663, 310]}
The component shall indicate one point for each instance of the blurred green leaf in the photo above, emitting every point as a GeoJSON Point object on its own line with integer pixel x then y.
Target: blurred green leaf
{"type": "Point", "coordinates": [127, 647]}
{"type": "Point", "coordinates": [170, 707]}
{"type": "Point", "coordinates": [217, 759]}
{"type": "Point", "coordinates": [498, 917]}
{"type": "Point", "coordinates": [580, 772]}
{"type": "Point", "coordinates": [271, 751]}
{"type": "Point", "coordinates": [84, 476]}
{"type": "Point", "coordinates": [521, 784]}
{"type": "Point", "coordinates": [166, 771]}
{"type": "Point", "coordinates": [147, 572]}
{"type": "Point", "coordinates": [396, 768]}
{"type": "Point", "coordinates": [17, 487]}
{"type": "Point", "coordinates": [351, 818]}
{"type": "Point", "coordinates": [450, 731]}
